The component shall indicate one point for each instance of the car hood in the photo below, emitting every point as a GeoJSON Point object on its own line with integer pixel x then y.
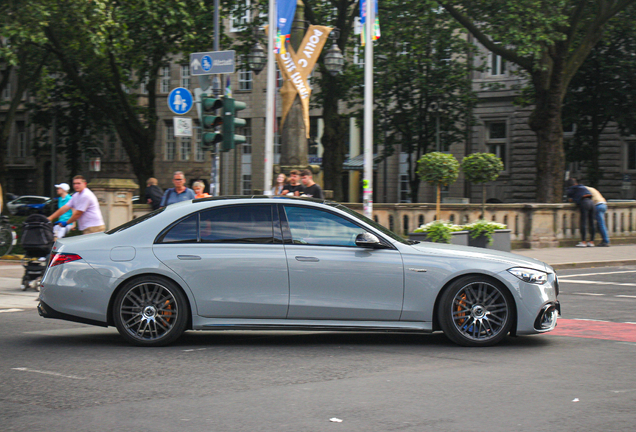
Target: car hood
{"type": "Point", "coordinates": [454, 251]}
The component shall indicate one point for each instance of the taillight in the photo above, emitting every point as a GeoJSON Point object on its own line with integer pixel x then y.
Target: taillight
{"type": "Point", "coordinates": [63, 258]}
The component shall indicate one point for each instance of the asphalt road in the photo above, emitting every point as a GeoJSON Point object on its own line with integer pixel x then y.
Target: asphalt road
{"type": "Point", "coordinates": [61, 376]}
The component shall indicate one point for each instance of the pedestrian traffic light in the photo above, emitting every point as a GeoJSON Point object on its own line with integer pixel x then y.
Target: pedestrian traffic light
{"type": "Point", "coordinates": [210, 121]}
{"type": "Point", "coordinates": [231, 122]}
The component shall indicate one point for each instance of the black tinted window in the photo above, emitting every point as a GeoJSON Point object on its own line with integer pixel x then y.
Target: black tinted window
{"type": "Point", "coordinates": [238, 224]}
{"type": "Point", "coordinates": [183, 232]}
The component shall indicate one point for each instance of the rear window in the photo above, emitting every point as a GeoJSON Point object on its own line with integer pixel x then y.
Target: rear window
{"type": "Point", "coordinates": [136, 221]}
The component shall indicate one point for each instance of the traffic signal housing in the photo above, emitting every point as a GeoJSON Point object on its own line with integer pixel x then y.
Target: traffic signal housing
{"type": "Point", "coordinates": [210, 121]}
{"type": "Point", "coordinates": [231, 122]}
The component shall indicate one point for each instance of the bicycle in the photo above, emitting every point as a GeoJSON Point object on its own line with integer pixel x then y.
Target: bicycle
{"type": "Point", "coordinates": [8, 237]}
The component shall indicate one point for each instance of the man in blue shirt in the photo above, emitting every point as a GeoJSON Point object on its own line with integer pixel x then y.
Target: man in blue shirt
{"type": "Point", "coordinates": [58, 230]}
{"type": "Point", "coordinates": [179, 192]}
{"type": "Point", "coordinates": [582, 196]}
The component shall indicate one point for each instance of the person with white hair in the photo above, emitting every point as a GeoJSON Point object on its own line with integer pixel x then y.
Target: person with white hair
{"type": "Point", "coordinates": [60, 231]}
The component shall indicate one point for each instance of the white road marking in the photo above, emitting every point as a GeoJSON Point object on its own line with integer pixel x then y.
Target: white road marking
{"type": "Point", "coordinates": [11, 310]}
{"type": "Point", "coordinates": [588, 319]}
{"type": "Point", "coordinates": [197, 349]}
{"type": "Point", "coordinates": [625, 296]}
{"type": "Point", "coordinates": [589, 294]}
{"type": "Point", "coordinates": [588, 282]}
{"type": "Point", "coordinates": [47, 373]}
{"type": "Point", "coordinates": [596, 274]}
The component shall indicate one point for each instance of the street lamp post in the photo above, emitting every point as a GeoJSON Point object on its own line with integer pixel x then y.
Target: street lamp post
{"type": "Point", "coordinates": [334, 60]}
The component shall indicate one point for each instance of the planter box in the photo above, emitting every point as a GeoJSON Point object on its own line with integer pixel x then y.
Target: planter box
{"type": "Point", "coordinates": [457, 238]}
{"type": "Point", "coordinates": [500, 241]}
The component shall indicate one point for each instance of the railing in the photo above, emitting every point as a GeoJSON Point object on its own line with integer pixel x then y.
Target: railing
{"type": "Point", "coordinates": [531, 225]}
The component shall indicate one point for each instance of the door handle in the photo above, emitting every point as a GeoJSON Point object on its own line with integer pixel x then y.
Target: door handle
{"type": "Point", "coordinates": [307, 259]}
{"type": "Point", "coordinates": [189, 257]}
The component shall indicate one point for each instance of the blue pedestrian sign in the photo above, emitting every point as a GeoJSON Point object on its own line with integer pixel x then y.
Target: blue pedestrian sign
{"type": "Point", "coordinates": [180, 100]}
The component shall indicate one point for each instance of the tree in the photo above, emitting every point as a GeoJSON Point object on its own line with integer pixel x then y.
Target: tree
{"type": "Point", "coordinates": [603, 91]}
{"type": "Point", "coordinates": [423, 96]}
{"type": "Point", "coordinates": [20, 55]}
{"type": "Point", "coordinates": [482, 168]}
{"type": "Point", "coordinates": [549, 40]}
{"type": "Point", "coordinates": [438, 169]}
{"type": "Point", "coordinates": [107, 48]}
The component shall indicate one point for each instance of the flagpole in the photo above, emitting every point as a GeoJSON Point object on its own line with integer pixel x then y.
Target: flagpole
{"type": "Point", "coordinates": [270, 106]}
{"type": "Point", "coordinates": [367, 184]}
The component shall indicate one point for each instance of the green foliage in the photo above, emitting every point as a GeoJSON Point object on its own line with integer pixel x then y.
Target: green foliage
{"type": "Point", "coordinates": [481, 167]}
{"type": "Point", "coordinates": [438, 231]}
{"type": "Point", "coordinates": [483, 227]}
{"type": "Point", "coordinates": [438, 168]}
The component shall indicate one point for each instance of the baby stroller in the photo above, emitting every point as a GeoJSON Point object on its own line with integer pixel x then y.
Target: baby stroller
{"type": "Point", "coordinates": [37, 241]}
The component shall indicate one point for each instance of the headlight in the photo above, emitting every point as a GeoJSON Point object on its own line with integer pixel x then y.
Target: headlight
{"type": "Point", "coordinates": [529, 275]}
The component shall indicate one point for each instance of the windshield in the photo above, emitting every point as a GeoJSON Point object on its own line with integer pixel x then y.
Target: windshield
{"type": "Point", "coordinates": [136, 221]}
{"type": "Point", "coordinates": [371, 222]}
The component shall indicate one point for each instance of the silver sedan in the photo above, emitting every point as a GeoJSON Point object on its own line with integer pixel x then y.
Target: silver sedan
{"type": "Point", "coordinates": [289, 264]}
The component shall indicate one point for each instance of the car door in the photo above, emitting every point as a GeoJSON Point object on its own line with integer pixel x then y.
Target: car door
{"type": "Point", "coordinates": [231, 259]}
{"type": "Point", "coordinates": [332, 278]}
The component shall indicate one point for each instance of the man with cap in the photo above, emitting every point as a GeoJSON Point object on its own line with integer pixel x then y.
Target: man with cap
{"type": "Point", "coordinates": [58, 230]}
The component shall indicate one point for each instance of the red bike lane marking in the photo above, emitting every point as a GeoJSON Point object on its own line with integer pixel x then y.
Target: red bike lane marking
{"type": "Point", "coordinates": [621, 332]}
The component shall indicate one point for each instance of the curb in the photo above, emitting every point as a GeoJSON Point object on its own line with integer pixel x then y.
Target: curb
{"type": "Point", "coordinates": [590, 264]}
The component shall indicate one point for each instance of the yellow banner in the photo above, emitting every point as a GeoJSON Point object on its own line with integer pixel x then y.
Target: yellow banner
{"type": "Point", "coordinates": [296, 67]}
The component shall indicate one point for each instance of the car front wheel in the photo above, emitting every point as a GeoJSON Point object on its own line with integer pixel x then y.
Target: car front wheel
{"type": "Point", "coordinates": [476, 311]}
{"type": "Point", "coordinates": [150, 311]}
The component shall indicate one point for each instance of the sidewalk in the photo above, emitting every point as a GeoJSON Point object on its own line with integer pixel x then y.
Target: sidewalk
{"type": "Point", "coordinates": [574, 257]}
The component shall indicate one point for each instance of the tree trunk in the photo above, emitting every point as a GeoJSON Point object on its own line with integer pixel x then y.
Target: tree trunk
{"type": "Point", "coordinates": [438, 208]}
{"type": "Point", "coordinates": [333, 141]}
{"type": "Point", "coordinates": [545, 121]}
{"type": "Point", "coordinates": [483, 200]}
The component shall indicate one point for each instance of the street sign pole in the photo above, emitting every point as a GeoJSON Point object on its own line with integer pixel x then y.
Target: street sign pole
{"type": "Point", "coordinates": [271, 88]}
{"type": "Point", "coordinates": [367, 183]}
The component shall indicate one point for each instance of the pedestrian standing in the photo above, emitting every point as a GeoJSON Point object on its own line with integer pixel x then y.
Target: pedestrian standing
{"type": "Point", "coordinates": [279, 187]}
{"type": "Point", "coordinates": [153, 193]}
{"type": "Point", "coordinates": [600, 207]}
{"type": "Point", "coordinates": [582, 196]}
{"type": "Point", "coordinates": [311, 188]}
{"type": "Point", "coordinates": [198, 187]}
{"type": "Point", "coordinates": [294, 187]}
{"type": "Point", "coordinates": [85, 209]}
{"type": "Point", "coordinates": [179, 192]}
{"type": "Point", "coordinates": [58, 230]}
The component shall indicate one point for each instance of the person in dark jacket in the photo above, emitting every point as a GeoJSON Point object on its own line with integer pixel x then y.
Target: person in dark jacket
{"type": "Point", "coordinates": [582, 196]}
{"type": "Point", "coordinates": [153, 193]}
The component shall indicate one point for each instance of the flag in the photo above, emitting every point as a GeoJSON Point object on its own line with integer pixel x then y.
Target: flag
{"type": "Point", "coordinates": [228, 87]}
{"type": "Point", "coordinates": [285, 18]}
{"type": "Point", "coordinates": [363, 15]}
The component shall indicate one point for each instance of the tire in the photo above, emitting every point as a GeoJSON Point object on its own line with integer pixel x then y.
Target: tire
{"type": "Point", "coordinates": [150, 311]}
{"type": "Point", "coordinates": [476, 311]}
{"type": "Point", "coordinates": [6, 241]}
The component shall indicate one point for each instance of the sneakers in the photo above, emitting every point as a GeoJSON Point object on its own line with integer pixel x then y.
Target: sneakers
{"type": "Point", "coordinates": [590, 244]}
{"type": "Point", "coordinates": [581, 244]}
{"type": "Point", "coordinates": [603, 244]}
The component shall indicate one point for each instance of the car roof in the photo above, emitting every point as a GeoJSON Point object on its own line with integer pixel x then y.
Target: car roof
{"type": "Point", "coordinates": [243, 197]}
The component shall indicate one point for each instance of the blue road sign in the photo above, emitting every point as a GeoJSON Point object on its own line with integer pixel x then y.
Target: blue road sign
{"type": "Point", "coordinates": [180, 100]}
{"type": "Point", "coordinates": [209, 63]}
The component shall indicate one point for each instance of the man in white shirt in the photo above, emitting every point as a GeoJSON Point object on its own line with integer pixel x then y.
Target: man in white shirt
{"type": "Point", "coordinates": [85, 209]}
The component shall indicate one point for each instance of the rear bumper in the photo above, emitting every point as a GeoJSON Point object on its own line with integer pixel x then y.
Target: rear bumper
{"type": "Point", "coordinates": [47, 311]}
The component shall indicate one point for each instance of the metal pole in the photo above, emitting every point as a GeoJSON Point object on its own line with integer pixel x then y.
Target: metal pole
{"type": "Point", "coordinates": [367, 184]}
{"type": "Point", "coordinates": [270, 107]}
{"type": "Point", "coordinates": [53, 157]}
{"type": "Point", "coordinates": [216, 159]}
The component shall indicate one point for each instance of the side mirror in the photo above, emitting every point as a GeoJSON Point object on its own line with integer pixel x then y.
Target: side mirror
{"type": "Point", "coordinates": [368, 240]}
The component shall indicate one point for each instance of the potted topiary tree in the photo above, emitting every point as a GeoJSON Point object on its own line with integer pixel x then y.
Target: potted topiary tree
{"type": "Point", "coordinates": [438, 169]}
{"type": "Point", "coordinates": [440, 231]}
{"type": "Point", "coordinates": [482, 168]}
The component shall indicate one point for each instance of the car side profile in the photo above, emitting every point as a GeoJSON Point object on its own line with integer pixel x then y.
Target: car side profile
{"type": "Point", "coordinates": [273, 263]}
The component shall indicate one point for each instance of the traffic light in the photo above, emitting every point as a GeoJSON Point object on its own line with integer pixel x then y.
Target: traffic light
{"type": "Point", "coordinates": [210, 136]}
{"type": "Point", "coordinates": [230, 123]}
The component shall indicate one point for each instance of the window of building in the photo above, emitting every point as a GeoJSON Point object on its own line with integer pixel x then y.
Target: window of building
{"type": "Point", "coordinates": [631, 155]}
{"type": "Point", "coordinates": [358, 56]}
{"type": "Point", "coordinates": [165, 79]}
{"type": "Point", "coordinates": [112, 145]}
{"type": "Point", "coordinates": [143, 85]}
{"type": "Point", "coordinates": [496, 65]}
{"type": "Point", "coordinates": [186, 148]}
{"type": "Point", "coordinates": [405, 189]}
{"type": "Point", "coordinates": [314, 139]}
{"type": "Point", "coordinates": [245, 78]}
{"type": "Point", "coordinates": [185, 76]}
{"type": "Point", "coordinates": [22, 141]}
{"type": "Point", "coordinates": [246, 184]}
{"type": "Point", "coordinates": [170, 142]}
{"type": "Point", "coordinates": [279, 78]}
{"type": "Point", "coordinates": [277, 139]}
{"type": "Point", "coordinates": [6, 93]}
{"type": "Point", "coordinates": [246, 131]}
{"type": "Point", "coordinates": [240, 16]}
{"type": "Point", "coordinates": [122, 152]}
{"type": "Point", "coordinates": [497, 139]}
{"type": "Point", "coordinates": [199, 153]}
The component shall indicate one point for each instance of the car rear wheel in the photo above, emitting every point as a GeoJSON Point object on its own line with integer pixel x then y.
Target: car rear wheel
{"type": "Point", "coordinates": [476, 311]}
{"type": "Point", "coordinates": [150, 311]}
